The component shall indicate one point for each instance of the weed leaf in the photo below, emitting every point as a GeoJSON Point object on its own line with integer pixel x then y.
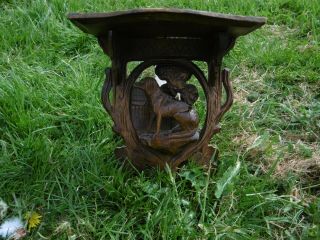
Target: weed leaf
{"type": "Point", "coordinates": [226, 179]}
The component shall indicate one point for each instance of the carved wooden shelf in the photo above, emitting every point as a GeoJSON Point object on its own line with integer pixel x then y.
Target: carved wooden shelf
{"type": "Point", "coordinates": [159, 124]}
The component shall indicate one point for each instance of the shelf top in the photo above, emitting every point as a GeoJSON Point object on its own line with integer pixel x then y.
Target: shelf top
{"type": "Point", "coordinates": [165, 22]}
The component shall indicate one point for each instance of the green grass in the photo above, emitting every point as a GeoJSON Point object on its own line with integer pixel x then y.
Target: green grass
{"type": "Point", "coordinates": [56, 142]}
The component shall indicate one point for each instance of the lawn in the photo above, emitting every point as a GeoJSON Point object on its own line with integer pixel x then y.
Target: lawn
{"type": "Point", "coordinates": [56, 141]}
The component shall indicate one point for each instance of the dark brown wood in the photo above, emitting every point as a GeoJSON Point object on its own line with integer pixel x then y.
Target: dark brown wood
{"type": "Point", "coordinates": [164, 22]}
{"type": "Point", "coordinates": [159, 124]}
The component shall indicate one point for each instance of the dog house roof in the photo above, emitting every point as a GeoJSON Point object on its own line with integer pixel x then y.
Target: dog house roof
{"type": "Point", "coordinates": [161, 22]}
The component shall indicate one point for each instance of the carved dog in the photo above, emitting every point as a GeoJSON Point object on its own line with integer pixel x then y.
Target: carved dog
{"type": "Point", "coordinates": [165, 105]}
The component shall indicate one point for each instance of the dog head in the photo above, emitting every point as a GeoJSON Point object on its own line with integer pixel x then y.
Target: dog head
{"type": "Point", "coordinates": [175, 75]}
{"type": "Point", "coordinates": [148, 84]}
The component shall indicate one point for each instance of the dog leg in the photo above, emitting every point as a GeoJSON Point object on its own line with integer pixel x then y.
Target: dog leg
{"type": "Point", "coordinates": [159, 118]}
{"type": "Point", "coordinates": [152, 118]}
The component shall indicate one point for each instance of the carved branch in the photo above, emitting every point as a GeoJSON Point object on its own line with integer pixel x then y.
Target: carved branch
{"type": "Point", "coordinates": [106, 88]}
{"type": "Point", "coordinates": [228, 88]}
